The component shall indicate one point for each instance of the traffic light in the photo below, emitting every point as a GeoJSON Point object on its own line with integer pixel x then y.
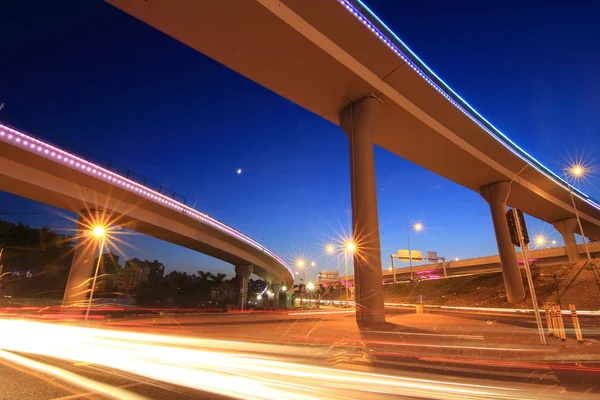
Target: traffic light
{"type": "Point", "coordinates": [512, 227]}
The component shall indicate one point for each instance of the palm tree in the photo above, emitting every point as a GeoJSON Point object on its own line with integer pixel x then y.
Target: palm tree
{"type": "Point", "coordinates": [218, 279]}
{"type": "Point", "coordinates": [204, 284]}
{"type": "Point", "coordinates": [204, 276]}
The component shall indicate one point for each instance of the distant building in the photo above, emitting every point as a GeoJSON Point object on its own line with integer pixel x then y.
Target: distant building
{"type": "Point", "coordinates": [109, 263]}
{"type": "Point", "coordinates": [151, 270]}
{"type": "Point", "coordinates": [129, 278]}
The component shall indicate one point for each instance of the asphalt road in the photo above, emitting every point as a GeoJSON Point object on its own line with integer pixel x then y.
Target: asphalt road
{"type": "Point", "coordinates": [19, 383]}
{"type": "Point", "coordinates": [553, 379]}
{"type": "Point", "coordinates": [22, 384]}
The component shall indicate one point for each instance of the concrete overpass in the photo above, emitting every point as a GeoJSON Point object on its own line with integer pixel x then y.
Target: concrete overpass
{"type": "Point", "coordinates": [340, 61]}
{"type": "Point", "coordinates": [480, 265]}
{"type": "Point", "coordinates": [32, 168]}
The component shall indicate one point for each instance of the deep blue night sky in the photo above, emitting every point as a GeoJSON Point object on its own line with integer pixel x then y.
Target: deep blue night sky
{"type": "Point", "coordinates": [86, 74]}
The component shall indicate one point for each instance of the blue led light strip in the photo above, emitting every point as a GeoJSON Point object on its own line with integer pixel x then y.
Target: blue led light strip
{"type": "Point", "coordinates": [43, 149]}
{"type": "Point", "coordinates": [496, 134]}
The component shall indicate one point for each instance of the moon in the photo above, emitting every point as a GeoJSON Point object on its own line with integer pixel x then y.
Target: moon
{"type": "Point", "coordinates": [239, 171]}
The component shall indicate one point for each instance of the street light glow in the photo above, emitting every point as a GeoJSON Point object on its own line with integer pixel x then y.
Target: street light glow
{"type": "Point", "coordinates": [577, 170]}
{"type": "Point", "coordinates": [99, 231]}
{"type": "Point", "coordinates": [541, 240]}
{"type": "Point", "coordinates": [330, 249]}
{"type": "Point", "coordinates": [310, 286]}
{"type": "Point", "coordinates": [312, 264]}
{"type": "Point", "coordinates": [283, 288]}
{"type": "Point", "coordinates": [350, 246]}
{"type": "Point", "coordinates": [418, 226]}
{"type": "Point", "coordinates": [300, 263]}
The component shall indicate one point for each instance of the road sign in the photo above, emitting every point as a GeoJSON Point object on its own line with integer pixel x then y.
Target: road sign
{"type": "Point", "coordinates": [420, 299]}
{"type": "Point", "coordinates": [432, 256]}
{"type": "Point", "coordinates": [416, 255]}
{"type": "Point", "coordinates": [512, 227]}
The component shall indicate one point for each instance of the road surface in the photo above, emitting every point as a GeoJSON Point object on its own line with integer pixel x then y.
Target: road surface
{"type": "Point", "coordinates": [289, 355]}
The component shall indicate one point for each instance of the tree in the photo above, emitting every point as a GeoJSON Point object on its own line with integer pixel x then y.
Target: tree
{"type": "Point", "coordinates": [46, 253]}
{"type": "Point", "coordinates": [218, 279]}
{"type": "Point", "coordinates": [204, 276]}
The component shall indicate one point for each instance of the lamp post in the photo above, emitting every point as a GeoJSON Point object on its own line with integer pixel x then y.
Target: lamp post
{"type": "Point", "coordinates": [416, 227]}
{"type": "Point", "coordinates": [577, 171]}
{"type": "Point", "coordinates": [100, 233]}
{"type": "Point", "coordinates": [349, 247]}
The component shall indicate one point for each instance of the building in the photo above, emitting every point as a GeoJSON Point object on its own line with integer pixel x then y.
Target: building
{"type": "Point", "coordinates": [152, 270]}
{"type": "Point", "coordinates": [109, 263]}
{"type": "Point", "coordinates": [129, 278]}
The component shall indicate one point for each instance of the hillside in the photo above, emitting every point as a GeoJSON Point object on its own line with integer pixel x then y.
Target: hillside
{"type": "Point", "coordinates": [576, 284]}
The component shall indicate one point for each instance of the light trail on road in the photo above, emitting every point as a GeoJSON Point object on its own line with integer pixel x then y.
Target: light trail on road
{"type": "Point", "coordinates": [239, 369]}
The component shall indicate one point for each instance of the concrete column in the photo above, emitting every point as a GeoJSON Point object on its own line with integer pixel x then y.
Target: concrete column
{"type": "Point", "coordinates": [276, 288]}
{"type": "Point", "coordinates": [243, 272]}
{"type": "Point", "coordinates": [495, 194]}
{"type": "Point", "coordinates": [78, 284]}
{"type": "Point", "coordinates": [358, 121]}
{"type": "Point", "coordinates": [568, 228]}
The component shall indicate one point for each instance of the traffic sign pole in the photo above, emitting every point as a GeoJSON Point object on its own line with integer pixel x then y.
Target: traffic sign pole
{"type": "Point", "coordinates": [393, 268]}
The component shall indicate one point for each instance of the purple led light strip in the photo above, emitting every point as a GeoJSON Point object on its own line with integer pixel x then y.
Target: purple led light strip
{"type": "Point", "coordinates": [516, 150]}
{"type": "Point", "coordinates": [55, 154]}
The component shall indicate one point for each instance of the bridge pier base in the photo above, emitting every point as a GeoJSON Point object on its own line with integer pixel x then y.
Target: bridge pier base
{"type": "Point", "coordinates": [567, 228]}
{"type": "Point", "coordinates": [243, 272]}
{"type": "Point", "coordinates": [495, 194]}
{"type": "Point", "coordinates": [78, 283]}
{"type": "Point", "coordinates": [276, 288]}
{"type": "Point", "coordinates": [358, 121]}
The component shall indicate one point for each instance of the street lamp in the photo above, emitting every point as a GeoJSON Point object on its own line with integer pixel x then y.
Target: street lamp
{"type": "Point", "coordinates": [416, 227]}
{"type": "Point", "coordinates": [540, 241]}
{"type": "Point", "coordinates": [349, 248]}
{"type": "Point", "coordinates": [300, 265]}
{"type": "Point", "coordinates": [100, 233]}
{"type": "Point", "coordinates": [310, 286]}
{"type": "Point", "coordinates": [577, 171]}
{"type": "Point", "coordinates": [312, 265]}
{"type": "Point", "coordinates": [330, 249]}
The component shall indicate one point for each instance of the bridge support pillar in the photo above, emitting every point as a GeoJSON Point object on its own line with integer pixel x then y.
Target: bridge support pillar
{"type": "Point", "coordinates": [276, 288]}
{"type": "Point", "coordinates": [567, 228]}
{"type": "Point", "coordinates": [495, 194]}
{"type": "Point", "coordinates": [358, 121]}
{"type": "Point", "coordinates": [78, 283]}
{"type": "Point", "coordinates": [243, 272]}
